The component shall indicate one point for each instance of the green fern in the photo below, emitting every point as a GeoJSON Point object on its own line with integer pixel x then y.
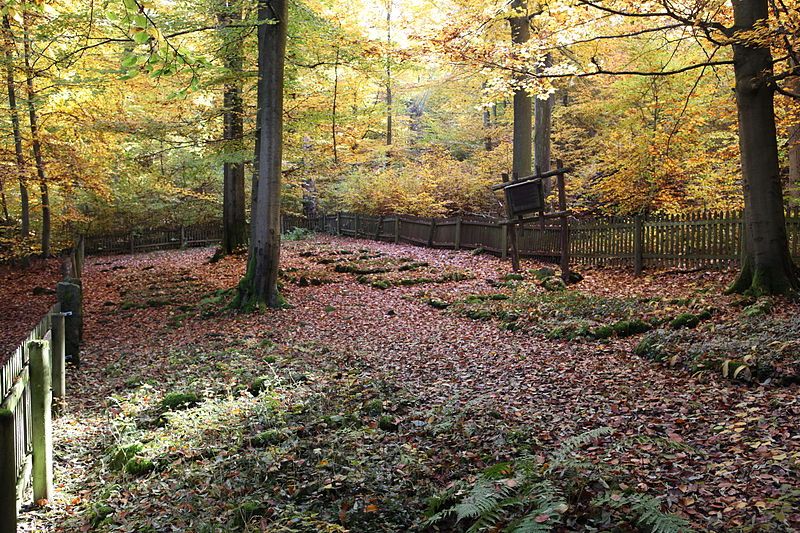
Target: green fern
{"type": "Point", "coordinates": [573, 443]}
{"type": "Point", "coordinates": [646, 510]}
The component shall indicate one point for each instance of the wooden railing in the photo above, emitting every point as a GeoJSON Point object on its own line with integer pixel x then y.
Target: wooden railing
{"type": "Point", "coordinates": [28, 382]}
{"type": "Point", "coordinates": [665, 241]}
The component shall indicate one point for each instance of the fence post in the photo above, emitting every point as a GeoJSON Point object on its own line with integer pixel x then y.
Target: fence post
{"type": "Point", "coordinates": [132, 243]}
{"type": "Point", "coordinates": [562, 206]}
{"type": "Point", "coordinates": [183, 236]}
{"type": "Point", "coordinates": [432, 233]}
{"type": "Point", "coordinates": [356, 225]}
{"type": "Point", "coordinates": [41, 419]}
{"type": "Point", "coordinates": [638, 253]}
{"type": "Point", "coordinates": [504, 241]}
{"type": "Point", "coordinates": [457, 239]}
{"type": "Point", "coordinates": [69, 296]}
{"type": "Point", "coordinates": [379, 229]}
{"type": "Point", "coordinates": [339, 223]}
{"type": "Point", "coordinates": [8, 473]}
{"type": "Point", "coordinates": [397, 229]}
{"type": "Point", "coordinates": [57, 352]}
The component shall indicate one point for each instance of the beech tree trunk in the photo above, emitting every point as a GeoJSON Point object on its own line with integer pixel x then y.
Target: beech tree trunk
{"type": "Point", "coordinates": [388, 73]}
{"type": "Point", "coordinates": [233, 213]}
{"type": "Point", "coordinates": [521, 33]}
{"type": "Point", "coordinates": [36, 142]}
{"type": "Point", "coordinates": [259, 287]}
{"type": "Point", "coordinates": [10, 47]}
{"type": "Point", "coordinates": [543, 122]}
{"type": "Point", "coordinates": [767, 267]}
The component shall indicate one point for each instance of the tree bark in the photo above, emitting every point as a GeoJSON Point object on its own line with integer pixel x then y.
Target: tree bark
{"type": "Point", "coordinates": [388, 73]}
{"type": "Point", "coordinates": [333, 106]}
{"type": "Point", "coordinates": [520, 33]}
{"type": "Point", "coordinates": [767, 267]}
{"type": "Point", "coordinates": [793, 143]}
{"type": "Point", "coordinates": [543, 122]}
{"type": "Point", "coordinates": [10, 48]}
{"type": "Point", "coordinates": [259, 287]}
{"type": "Point", "coordinates": [233, 212]}
{"type": "Point", "coordinates": [36, 142]}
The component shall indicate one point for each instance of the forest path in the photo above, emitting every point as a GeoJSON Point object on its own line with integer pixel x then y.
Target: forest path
{"type": "Point", "coordinates": [721, 454]}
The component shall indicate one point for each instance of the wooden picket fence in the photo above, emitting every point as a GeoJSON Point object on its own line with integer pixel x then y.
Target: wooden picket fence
{"type": "Point", "coordinates": [28, 382]}
{"type": "Point", "coordinates": [694, 240]}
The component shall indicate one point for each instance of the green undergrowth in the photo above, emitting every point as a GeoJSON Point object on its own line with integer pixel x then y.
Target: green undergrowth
{"type": "Point", "coordinates": [374, 269]}
{"type": "Point", "coordinates": [239, 435]}
{"type": "Point", "coordinates": [747, 349]}
{"type": "Point", "coordinates": [573, 315]}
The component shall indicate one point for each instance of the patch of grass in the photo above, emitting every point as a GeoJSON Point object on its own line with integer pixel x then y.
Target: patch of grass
{"type": "Point", "coordinates": [270, 437]}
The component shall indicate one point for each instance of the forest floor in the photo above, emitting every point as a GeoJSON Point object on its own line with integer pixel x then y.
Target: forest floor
{"type": "Point", "coordinates": [399, 372]}
{"type": "Point", "coordinates": [27, 294]}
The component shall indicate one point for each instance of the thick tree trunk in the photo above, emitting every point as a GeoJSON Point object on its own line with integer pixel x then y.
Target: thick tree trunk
{"type": "Point", "coordinates": [22, 171]}
{"type": "Point", "coordinates": [36, 142]}
{"type": "Point", "coordinates": [233, 213]}
{"type": "Point", "coordinates": [520, 33]}
{"type": "Point", "coordinates": [259, 287]}
{"type": "Point", "coordinates": [543, 121]}
{"type": "Point", "coordinates": [767, 267]}
{"type": "Point", "coordinates": [793, 144]}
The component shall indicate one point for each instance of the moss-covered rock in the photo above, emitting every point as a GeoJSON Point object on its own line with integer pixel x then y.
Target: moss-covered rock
{"type": "Point", "coordinates": [258, 385]}
{"type": "Point", "coordinates": [627, 328]}
{"type": "Point", "coordinates": [513, 276]}
{"type": "Point", "coordinates": [553, 284]}
{"type": "Point", "coordinates": [651, 347]}
{"type": "Point", "coordinates": [478, 314]}
{"type": "Point", "coordinates": [542, 273]}
{"type": "Point", "coordinates": [437, 303]}
{"type": "Point", "coordinates": [762, 306]}
{"type": "Point", "coordinates": [602, 332]}
{"type": "Point", "coordinates": [139, 466]}
{"type": "Point", "coordinates": [175, 401]}
{"type": "Point", "coordinates": [685, 320]}
{"type": "Point", "coordinates": [387, 423]}
{"type": "Point", "coordinates": [120, 455]}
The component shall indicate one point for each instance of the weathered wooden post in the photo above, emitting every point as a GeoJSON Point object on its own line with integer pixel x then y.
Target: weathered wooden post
{"type": "Point", "coordinates": [379, 228]}
{"type": "Point", "coordinates": [397, 229]}
{"type": "Point", "coordinates": [8, 472]}
{"type": "Point", "coordinates": [432, 233]}
{"type": "Point", "coordinates": [133, 243]}
{"type": "Point", "coordinates": [562, 206]}
{"type": "Point", "coordinates": [183, 237]}
{"type": "Point", "coordinates": [504, 229]}
{"type": "Point", "coordinates": [339, 223]}
{"type": "Point", "coordinates": [457, 239]}
{"type": "Point", "coordinates": [69, 294]}
{"type": "Point", "coordinates": [41, 419]}
{"type": "Point", "coordinates": [638, 245]}
{"type": "Point", "coordinates": [58, 359]}
{"type": "Point", "coordinates": [356, 223]}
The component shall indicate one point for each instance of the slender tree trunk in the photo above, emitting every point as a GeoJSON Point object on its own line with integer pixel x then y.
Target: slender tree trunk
{"type": "Point", "coordinates": [36, 142]}
{"type": "Point", "coordinates": [520, 33]}
{"type": "Point", "coordinates": [388, 73]}
{"type": "Point", "coordinates": [259, 287]}
{"type": "Point", "coordinates": [10, 48]}
{"type": "Point", "coordinates": [333, 106]}
{"type": "Point", "coordinates": [3, 201]}
{"type": "Point", "coordinates": [543, 122]}
{"type": "Point", "coordinates": [233, 213]}
{"type": "Point", "coordinates": [793, 144]}
{"type": "Point", "coordinates": [767, 267]}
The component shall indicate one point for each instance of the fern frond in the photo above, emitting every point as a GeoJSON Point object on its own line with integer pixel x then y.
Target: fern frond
{"type": "Point", "coordinates": [646, 510]}
{"type": "Point", "coordinates": [573, 443]}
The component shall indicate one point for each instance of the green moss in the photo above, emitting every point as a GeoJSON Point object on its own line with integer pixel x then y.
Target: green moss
{"type": "Point", "coordinates": [99, 514]}
{"type": "Point", "coordinates": [626, 328]}
{"type": "Point", "coordinates": [651, 347]}
{"type": "Point", "coordinates": [542, 273]}
{"type": "Point", "coordinates": [329, 309]}
{"type": "Point", "coordinates": [763, 306]}
{"type": "Point", "coordinates": [510, 326]}
{"type": "Point", "coordinates": [380, 284]}
{"type": "Point", "coordinates": [386, 423]}
{"type": "Point", "coordinates": [270, 359]}
{"type": "Point", "coordinates": [412, 266]}
{"type": "Point", "coordinates": [179, 400]}
{"type": "Point", "coordinates": [374, 407]}
{"type": "Point", "coordinates": [602, 332]}
{"type": "Point", "coordinates": [438, 304]}
{"type": "Point", "coordinates": [513, 277]}
{"type": "Point", "coordinates": [478, 314]}
{"type": "Point", "coordinates": [258, 385]}
{"type": "Point", "coordinates": [131, 305]}
{"type": "Point", "coordinates": [553, 284]}
{"type": "Point", "coordinates": [247, 511]}
{"type": "Point", "coordinates": [157, 303]}
{"type": "Point", "coordinates": [122, 454]}
{"type": "Point", "coordinates": [684, 320]}
{"type": "Point", "coordinates": [270, 437]}
{"type": "Point", "coordinates": [139, 466]}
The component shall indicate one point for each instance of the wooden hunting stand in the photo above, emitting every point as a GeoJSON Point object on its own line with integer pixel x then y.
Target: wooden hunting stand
{"type": "Point", "coordinates": [525, 204]}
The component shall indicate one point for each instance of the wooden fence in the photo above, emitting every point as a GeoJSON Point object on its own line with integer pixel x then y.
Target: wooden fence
{"type": "Point", "coordinates": [28, 382]}
{"type": "Point", "coordinates": [668, 241]}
